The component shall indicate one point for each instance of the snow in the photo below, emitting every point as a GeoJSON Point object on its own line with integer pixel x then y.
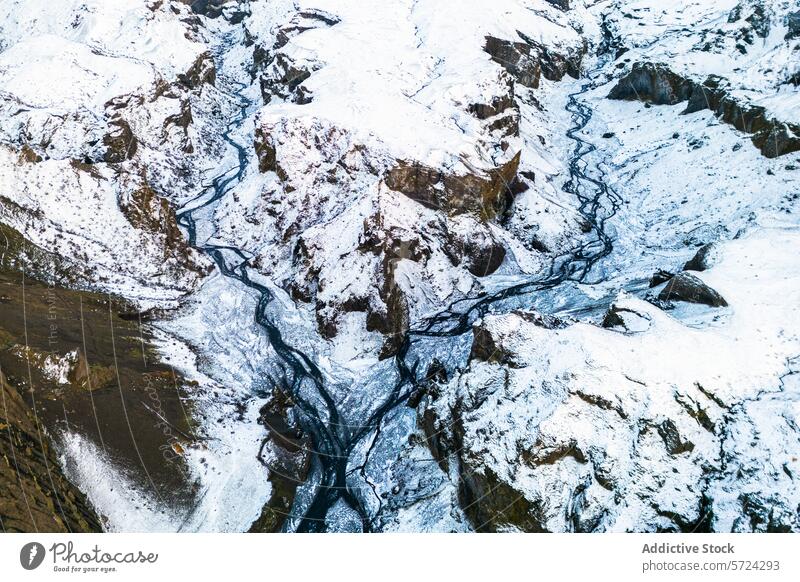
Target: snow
{"type": "Point", "coordinates": [230, 484]}
{"type": "Point", "coordinates": [645, 377]}
{"type": "Point", "coordinates": [699, 39]}
{"type": "Point", "coordinates": [390, 83]}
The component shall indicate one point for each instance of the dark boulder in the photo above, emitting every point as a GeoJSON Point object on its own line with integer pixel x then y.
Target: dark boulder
{"type": "Point", "coordinates": [486, 348]}
{"type": "Point", "coordinates": [686, 287]}
{"type": "Point", "coordinates": [702, 260]}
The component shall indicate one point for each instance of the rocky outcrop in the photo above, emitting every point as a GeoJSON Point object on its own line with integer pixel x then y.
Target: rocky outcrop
{"type": "Point", "coordinates": [686, 287]}
{"type": "Point", "coordinates": [479, 250]}
{"type": "Point", "coordinates": [35, 496]}
{"type": "Point", "coordinates": [486, 195]}
{"type": "Point", "coordinates": [500, 112]}
{"type": "Point", "coordinates": [703, 259]}
{"type": "Point", "coordinates": [755, 17]}
{"type": "Point", "coordinates": [153, 215]}
{"type": "Point", "coordinates": [793, 25]}
{"type": "Point", "coordinates": [286, 453]}
{"type": "Point", "coordinates": [120, 142]}
{"type": "Point", "coordinates": [302, 21]}
{"type": "Point", "coordinates": [283, 74]}
{"type": "Point", "coordinates": [556, 64]}
{"type": "Point", "coordinates": [209, 8]}
{"type": "Point", "coordinates": [656, 83]}
{"type": "Point", "coordinates": [203, 71]}
{"type": "Point", "coordinates": [562, 4]}
{"type": "Point", "coordinates": [284, 78]}
{"type": "Point", "coordinates": [516, 58]}
{"type": "Point", "coordinates": [548, 429]}
{"type": "Point", "coordinates": [528, 60]}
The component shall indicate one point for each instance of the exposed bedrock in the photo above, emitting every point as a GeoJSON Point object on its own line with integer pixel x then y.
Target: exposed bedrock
{"type": "Point", "coordinates": [486, 195]}
{"type": "Point", "coordinates": [527, 60]}
{"type": "Point", "coordinates": [656, 83]}
{"type": "Point", "coordinates": [34, 493]}
{"type": "Point", "coordinates": [203, 71]}
{"type": "Point", "coordinates": [281, 74]}
{"type": "Point", "coordinates": [453, 225]}
{"type": "Point", "coordinates": [153, 215]}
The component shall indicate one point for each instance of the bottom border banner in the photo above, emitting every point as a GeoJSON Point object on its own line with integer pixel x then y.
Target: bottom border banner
{"type": "Point", "coordinates": [429, 556]}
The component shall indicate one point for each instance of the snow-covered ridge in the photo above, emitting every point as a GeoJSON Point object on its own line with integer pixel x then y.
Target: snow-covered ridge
{"type": "Point", "coordinates": [96, 102]}
{"type": "Point", "coordinates": [650, 425]}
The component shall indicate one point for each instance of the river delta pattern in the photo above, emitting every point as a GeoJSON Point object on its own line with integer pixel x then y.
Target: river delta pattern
{"type": "Point", "coordinates": [410, 308]}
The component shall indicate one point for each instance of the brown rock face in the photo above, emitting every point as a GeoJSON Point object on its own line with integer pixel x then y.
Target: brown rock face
{"type": "Point", "coordinates": [516, 58]}
{"type": "Point", "coordinates": [265, 151]}
{"type": "Point", "coordinates": [203, 71]}
{"type": "Point", "coordinates": [151, 213]}
{"type": "Point", "coordinates": [120, 142]}
{"type": "Point", "coordinates": [482, 253]}
{"type": "Point", "coordinates": [35, 496]}
{"type": "Point", "coordinates": [528, 60]}
{"type": "Point", "coordinates": [657, 84]}
{"type": "Point", "coordinates": [486, 195]}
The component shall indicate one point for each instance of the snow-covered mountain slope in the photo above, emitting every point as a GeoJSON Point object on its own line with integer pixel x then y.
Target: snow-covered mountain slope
{"type": "Point", "coordinates": [678, 416]}
{"type": "Point", "coordinates": [97, 131]}
{"type": "Point", "coordinates": [363, 141]}
{"type": "Point", "coordinates": [647, 423]}
{"type": "Point", "coordinates": [737, 59]}
{"type": "Point", "coordinates": [463, 229]}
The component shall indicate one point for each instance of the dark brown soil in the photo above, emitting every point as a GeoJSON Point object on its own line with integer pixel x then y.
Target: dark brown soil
{"type": "Point", "coordinates": [115, 391]}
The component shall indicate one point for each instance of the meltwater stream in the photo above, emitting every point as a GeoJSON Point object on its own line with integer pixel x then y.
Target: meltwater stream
{"type": "Point", "coordinates": [334, 441]}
